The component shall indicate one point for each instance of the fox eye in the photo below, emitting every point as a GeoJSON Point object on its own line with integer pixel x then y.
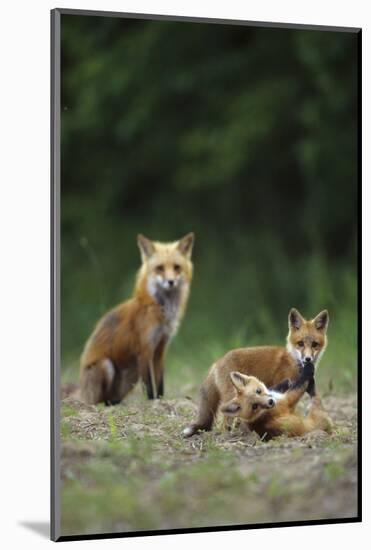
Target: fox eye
{"type": "Point", "coordinates": [258, 391]}
{"type": "Point", "coordinates": [160, 269]}
{"type": "Point", "coordinates": [300, 343]}
{"type": "Point", "coordinates": [255, 406]}
{"type": "Point", "coordinates": [314, 345]}
{"type": "Point", "coordinates": [177, 268]}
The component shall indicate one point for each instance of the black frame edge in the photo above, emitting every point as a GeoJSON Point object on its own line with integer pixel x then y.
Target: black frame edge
{"type": "Point", "coordinates": [191, 530]}
{"type": "Point", "coordinates": [195, 19]}
{"type": "Point", "coordinates": [359, 267]}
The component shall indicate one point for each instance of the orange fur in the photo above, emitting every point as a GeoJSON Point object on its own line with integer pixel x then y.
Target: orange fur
{"type": "Point", "coordinates": [270, 414]}
{"type": "Point", "coordinates": [270, 364]}
{"type": "Point", "coordinates": [130, 341]}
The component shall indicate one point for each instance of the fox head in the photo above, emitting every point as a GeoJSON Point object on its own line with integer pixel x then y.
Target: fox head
{"type": "Point", "coordinates": [252, 398]}
{"type": "Point", "coordinates": [166, 267]}
{"type": "Point", "coordinates": [307, 340]}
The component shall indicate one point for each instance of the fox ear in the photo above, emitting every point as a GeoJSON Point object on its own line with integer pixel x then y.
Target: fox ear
{"type": "Point", "coordinates": [146, 247]}
{"type": "Point", "coordinates": [240, 381]}
{"type": "Point", "coordinates": [230, 408]}
{"type": "Point", "coordinates": [185, 245]}
{"type": "Point", "coordinates": [295, 319]}
{"type": "Point", "coordinates": [321, 320]}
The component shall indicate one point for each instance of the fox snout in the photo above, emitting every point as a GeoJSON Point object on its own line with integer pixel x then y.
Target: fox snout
{"type": "Point", "coordinates": [169, 283]}
{"type": "Point", "coordinates": [267, 402]}
{"type": "Point", "coordinates": [307, 355]}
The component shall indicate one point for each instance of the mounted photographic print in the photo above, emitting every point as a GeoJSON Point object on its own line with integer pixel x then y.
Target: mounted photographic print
{"type": "Point", "coordinates": [205, 299]}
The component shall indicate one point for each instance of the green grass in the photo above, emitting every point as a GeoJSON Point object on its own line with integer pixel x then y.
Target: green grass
{"type": "Point", "coordinates": [333, 471]}
{"type": "Point", "coordinates": [128, 468]}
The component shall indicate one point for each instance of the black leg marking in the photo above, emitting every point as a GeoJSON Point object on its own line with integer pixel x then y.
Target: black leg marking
{"type": "Point", "coordinates": [111, 402]}
{"type": "Point", "coordinates": [149, 390]}
{"type": "Point", "coordinates": [306, 375]}
{"type": "Point", "coordinates": [311, 389]}
{"type": "Point", "coordinates": [160, 387]}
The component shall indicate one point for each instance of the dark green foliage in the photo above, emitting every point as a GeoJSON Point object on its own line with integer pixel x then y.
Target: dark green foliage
{"type": "Point", "coordinates": [246, 136]}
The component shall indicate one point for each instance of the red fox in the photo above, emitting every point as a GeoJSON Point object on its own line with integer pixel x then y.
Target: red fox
{"type": "Point", "coordinates": [271, 413]}
{"type": "Point", "coordinates": [130, 341]}
{"type": "Point", "coordinates": [306, 342]}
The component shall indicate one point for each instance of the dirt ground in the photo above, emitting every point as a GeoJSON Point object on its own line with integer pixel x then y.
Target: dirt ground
{"type": "Point", "coordinates": [128, 468]}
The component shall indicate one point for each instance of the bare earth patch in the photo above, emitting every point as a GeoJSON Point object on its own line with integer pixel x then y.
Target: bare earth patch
{"type": "Point", "coordinates": [128, 468]}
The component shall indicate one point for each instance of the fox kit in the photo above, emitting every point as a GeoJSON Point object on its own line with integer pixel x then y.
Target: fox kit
{"type": "Point", "coordinates": [130, 341]}
{"type": "Point", "coordinates": [306, 342]}
{"type": "Point", "coordinates": [270, 413]}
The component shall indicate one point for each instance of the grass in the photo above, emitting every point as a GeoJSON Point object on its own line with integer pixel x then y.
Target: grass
{"type": "Point", "coordinates": [128, 468]}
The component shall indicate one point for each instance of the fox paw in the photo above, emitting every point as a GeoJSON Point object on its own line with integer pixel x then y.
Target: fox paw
{"type": "Point", "coordinates": [189, 430]}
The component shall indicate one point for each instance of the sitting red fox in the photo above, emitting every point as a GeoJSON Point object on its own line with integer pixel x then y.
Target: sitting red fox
{"type": "Point", "coordinates": [130, 341]}
{"type": "Point", "coordinates": [270, 413]}
{"type": "Point", "coordinates": [306, 342]}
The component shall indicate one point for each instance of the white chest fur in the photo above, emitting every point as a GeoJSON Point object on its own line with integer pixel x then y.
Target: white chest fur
{"type": "Point", "coordinates": [166, 328]}
{"type": "Point", "coordinates": [161, 331]}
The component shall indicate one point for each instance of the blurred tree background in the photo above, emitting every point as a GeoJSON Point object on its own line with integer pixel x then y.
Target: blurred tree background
{"type": "Point", "coordinates": [246, 136]}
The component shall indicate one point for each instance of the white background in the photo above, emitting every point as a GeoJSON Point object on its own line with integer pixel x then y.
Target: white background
{"type": "Point", "coordinates": [24, 268]}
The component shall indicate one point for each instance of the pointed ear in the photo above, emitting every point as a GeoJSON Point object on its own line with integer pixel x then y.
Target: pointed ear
{"type": "Point", "coordinates": [146, 247]}
{"type": "Point", "coordinates": [230, 408]}
{"type": "Point", "coordinates": [321, 320]}
{"type": "Point", "coordinates": [295, 319]}
{"type": "Point", "coordinates": [240, 381]}
{"type": "Point", "coordinates": [185, 245]}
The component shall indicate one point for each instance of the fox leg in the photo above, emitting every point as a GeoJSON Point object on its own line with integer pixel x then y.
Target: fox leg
{"type": "Point", "coordinates": [160, 389]}
{"type": "Point", "coordinates": [311, 389]}
{"type": "Point", "coordinates": [297, 390]}
{"type": "Point", "coordinates": [149, 376]}
{"type": "Point", "coordinates": [152, 388]}
{"type": "Point", "coordinates": [209, 402]}
{"type": "Point", "coordinates": [152, 372]}
{"type": "Point", "coordinates": [96, 381]}
{"type": "Point", "coordinates": [293, 396]}
{"type": "Point", "coordinates": [159, 363]}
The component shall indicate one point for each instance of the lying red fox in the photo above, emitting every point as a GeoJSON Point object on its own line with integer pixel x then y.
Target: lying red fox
{"type": "Point", "coordinates": [271, 413]}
